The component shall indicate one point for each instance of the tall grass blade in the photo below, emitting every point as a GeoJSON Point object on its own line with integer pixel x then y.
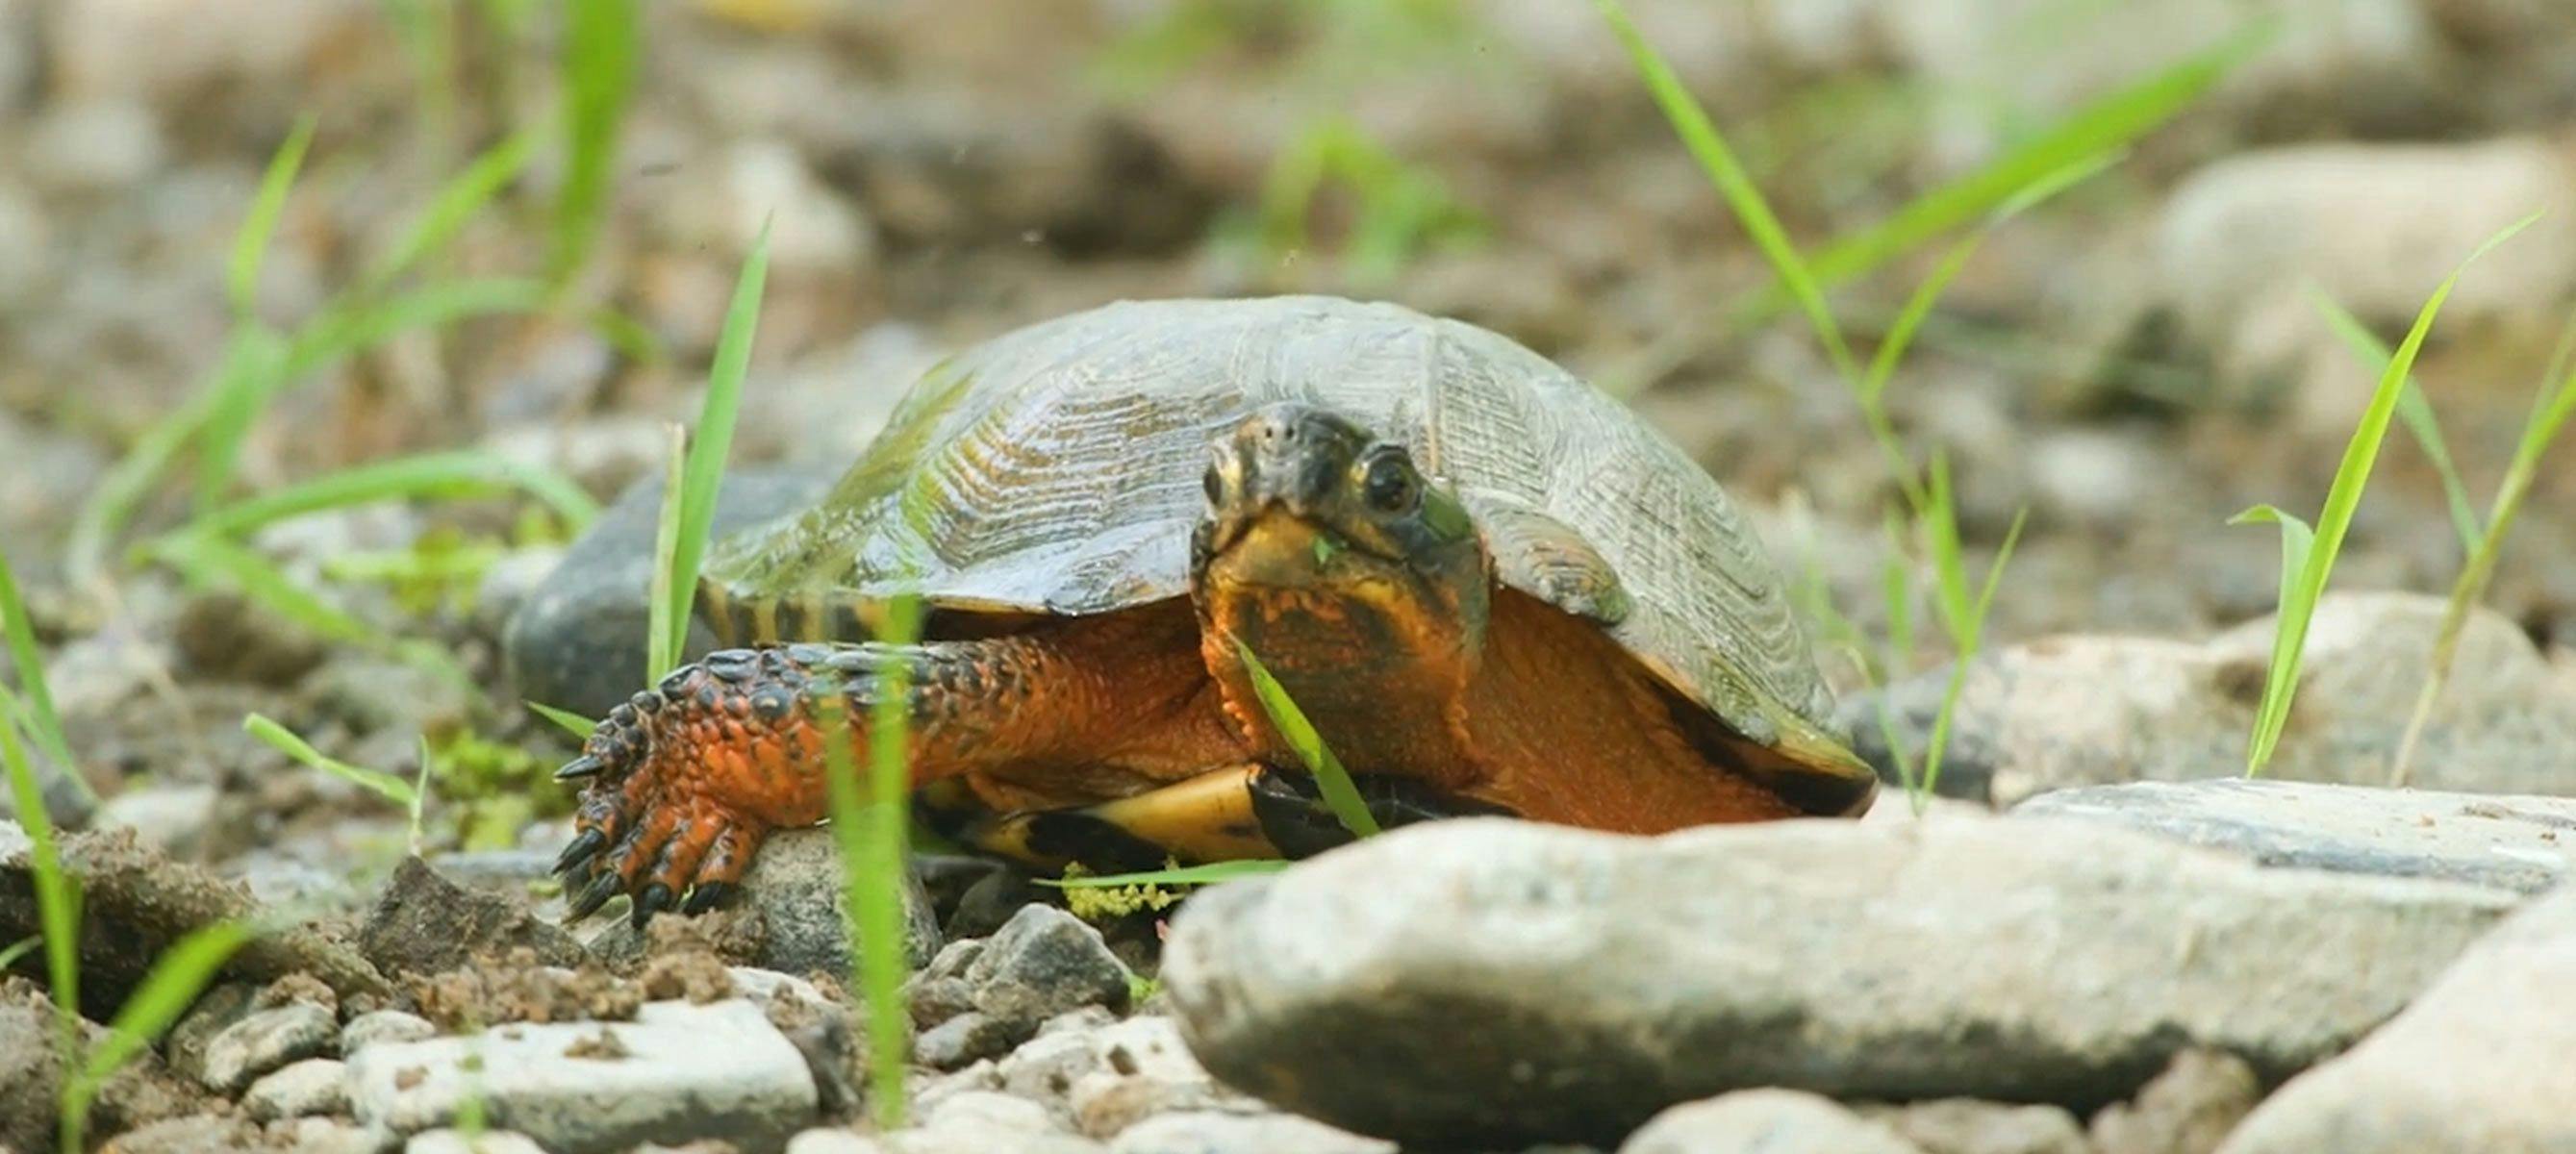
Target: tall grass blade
{"type": "Point", "coordinates": [250, 245]}
{"type": "Point", "coordinates": [883, 859]}
{"type": "Point", "coordinates": [182, 972]}
{"type": "Point", "coordinates": [2102, 126]}
{"type": "Point", "coordinates": [447, 475]}
{"type": "Point", "coordinates": [602, 39]}
{"type": "Point", "coordinates": [377, 781]}
{"type": "Point", "coordinates": [573, 723]}
{"type": "Point", "coordinates": [714, 439]}
{"type": "Point", "coordinates": [1700, 135]}
{"type": "Point", "coordinates": [43, 723]}
{"type": "Point", "coordinates": [1331, 779]}
{"type": "Point", "coordinates": [455, 204]}
{"type": "Point", "coordinates": [2549, 417]}
{"type": "Point", "coordinates": [57, 898]}
{"type": "Point", "coordinates": [1970, 633]}
{"type": "Point", "coordinates": [666, 617]}
{"type": "Point", "coordinates": [2413, 410]}
{"type": "Point", "coordinates": [213, 560]}
{"type": "Point", "coordinates": [2303, 584]}
{"type": "Point", "coordinates": [252, 372]}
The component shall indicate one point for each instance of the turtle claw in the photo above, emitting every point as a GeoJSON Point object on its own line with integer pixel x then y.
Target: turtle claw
{"type": "Point", "coordinates": [655, 899]}
{"type": "Point", "coordinates": [706, 896]}
{"type": "Point", "coordinates": [579, 768]}
{"type": "Point", "coordinates": [600, 890]}
{"type": "Point", "coordinates": [582, 849]}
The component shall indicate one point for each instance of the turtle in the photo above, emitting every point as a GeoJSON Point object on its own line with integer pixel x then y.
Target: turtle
{"type": "Point", "coordinates": [1487, 586]}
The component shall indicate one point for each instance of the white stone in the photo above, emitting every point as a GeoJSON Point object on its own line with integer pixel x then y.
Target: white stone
{"type": "Point", "coordinates": [312, 1086]}
{"type": "Point", "coordinates": [1764, 1122]}
{"type": "Point", "coordinates": [265, 1040]}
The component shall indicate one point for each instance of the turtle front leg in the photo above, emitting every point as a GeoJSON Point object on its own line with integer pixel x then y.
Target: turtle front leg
{"type": "Point", "coordinates": [685, 780]}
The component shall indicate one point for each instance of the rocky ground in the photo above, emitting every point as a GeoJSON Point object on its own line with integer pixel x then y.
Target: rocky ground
{"type": "Point", "coordinates": [2095, 940]}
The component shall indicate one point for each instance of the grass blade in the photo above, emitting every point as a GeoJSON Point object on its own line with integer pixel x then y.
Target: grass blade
{"type": "Point", "coordinates": [1970, 631]}
{"type": "Point", "coordinates": [284, 740]}
{"type": "Point", "coordinates": [43, 723]}
{"type": "Point", "coordinates": [573, 723]}
{"type": "Point", "coordinates": [57, 900]}
{"type": "Point", "coordinates": [445, 475]}
{"type": "Point", "coordinates": [214, 560]}
{"type": "Point", "coordinates": [250, 245]}
{"type": "Point", "coordinates": [350, 329]}
{"type": "Point", "coordinates": [601, 43]}
{"type": "Point", "coordinates": [1700, 135]}
{"type": "Point", "coordinates": [455, 204]}
{"type": "Point", "coordinates": [1333, 781]}
{"type": "Point", "coordinates": [2412, 408]}
{"type": "Point", "coordinates": [2102, 126]}
{"type": "Point", "coordinates": [182, 972]}
{"type": "Point", "coordinates": [252, 372]}
{"type": "Point", "coordinates": [883, 859]}
{"type": "Point", "coordinates": [714, 440]}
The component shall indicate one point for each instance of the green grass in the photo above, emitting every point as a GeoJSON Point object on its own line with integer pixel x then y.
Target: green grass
{"type": "Point", "coordinates": [181, 973]}
{"type": "Point", "coordinates": [2413, 410]}
{"type": "Point", "coordinates": [376, 781]}
{"type": "Point", "coordinates": [1333, 781]}
{"type": "Point", "coordinates": [603, 40]}
{"type": "Point", "coordinates": [704, 469]}
{"type": "Point", "coordinates": [2551, 408]}
{"type": "Point", "coordinates": [57, 898]}
{"type": "Point", "coordinates": [43, 724]}
{"type": "Point", "coordinates": [570, 722]}
{"type": "Point", "coordinates": [870, 828]}
{"type": "Point", "coordinates": [2308, 556]}
{"type": "Point", "coordinates": [1399, 210]}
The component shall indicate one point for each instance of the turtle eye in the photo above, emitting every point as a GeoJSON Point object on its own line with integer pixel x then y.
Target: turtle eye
{"type": "Point", "coordinates": [1391, 486]}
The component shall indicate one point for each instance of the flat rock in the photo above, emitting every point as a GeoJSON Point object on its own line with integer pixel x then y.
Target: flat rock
{"type": "Point", "coordinates": [2480, 1062]}
{"type": "Point", "coordinates": [426, 924]}
{"type": "Point", "coordinates": [578, 641]}
{"type": "Point", "coordinates": [380, 1026]}
{"type": "Point", "coordinates": [1764, 1122]}
{"type": "Point", "coordinates": [2097, 710]}
{"type": "Point", "coordinates": [264, 1040]}
{"type": "Point", "coordinates": [1496, 981]}
{"type": "Point", "coordinates": [677, 1072]}
{"type": "Point", "coordinates": [2524, 843]}
{"type": "Point", "coordinates": [312, 1086]}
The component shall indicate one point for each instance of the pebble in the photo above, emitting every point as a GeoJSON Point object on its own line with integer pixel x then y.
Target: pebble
{"type": "Point", "coordinates": [685, 1071]}
{"type": "Point", "coordinates": [2516, 842]}
{"type": "Point", "coordinates": [1968, 1126]}
{"type": "Point", "coordinates": [170, 818]}
{"type": "Point", "coordinates": [1764, 1122]}
{"type": "Point", "coordinates": [264, 1040]}
{"type": "Point", "coordinates": [1213, 1132]}
{"type": "Point", "coordinates": [312, 1086]}
{"type": "Point", "coordinates": [2188, 1109]}
{"type": "Point", "coordinates": [424, 924]}
{"type": "Point", "coordinates": [487, 1142]}
{"type": "Point", "coordinates": [1493, 981]}
{"type": "Point", "coordinates": [328, 1136]}
{"type": "Point", "coordinates": [93, 146]}
{"type": "Point", "coordinates": [1044, 962]}
{"type": "Point", "coordinates": [377, 1027]}
{"type": "Point", "coordinates": [2479, 1062]}
{"type": "Point", "coordinates": [833, 1142]}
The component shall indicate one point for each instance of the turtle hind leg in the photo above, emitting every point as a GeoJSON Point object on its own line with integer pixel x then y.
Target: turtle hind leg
{"type": "Point", "coordinates": [684, 781]}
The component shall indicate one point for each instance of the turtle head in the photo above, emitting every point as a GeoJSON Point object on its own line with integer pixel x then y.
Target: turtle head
{"type": "Point", "coordinates": [1339, 544]}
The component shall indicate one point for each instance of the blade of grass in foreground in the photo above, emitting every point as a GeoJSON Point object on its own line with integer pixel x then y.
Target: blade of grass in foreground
{"type": "Point", "coordinates": [250, 245]}
{"type": "Point", "coordinates": [386, 785]}
{"type": "Point", "coordinates": [1700, 135]}
{"type": "Point", "coordinates": [1969, 632]}
{"type": "Point", "coordinates": [666, 619]}
{"type": "Point", "coordinates": [2549, 416]}
{"type": "Point", "coordinates": [714, 439]}
{"type": "Point", "coordinates": [1333, 781]}
{"type": "Point", "coordinates": [57, 901]}
{"type": "Point", "coordinates": [570, 722]}
{"type": "Point", "coordinates": [182, 972]}
{"type": "Point", "coordinates": [43, 724]}
{"type": "Point", "coordinates": [869, 828]}
{"type": "Point", "coordinates": [2307, 561]}
{"type": "Point", "coordinates": [2412, 408]}
{"type": "Point", "coordinates": [425, 477]}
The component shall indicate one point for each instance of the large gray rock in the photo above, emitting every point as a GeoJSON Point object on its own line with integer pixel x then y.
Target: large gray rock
{"type": "Point", "coordinates": [578, 641]}
{"type": "Point", "coordinates": [677, 1073]}
{"type": "Point", "coordinates": [2481, 1062]}
{"type": "Point", "coordinates": [1487, 980]}
{"type": "Point", "coordinates": [2094, 710]}
{"type": "Point", "coordinates": [1764, 1122]}
{"type": "Point", "coordinates": [2515, 842]}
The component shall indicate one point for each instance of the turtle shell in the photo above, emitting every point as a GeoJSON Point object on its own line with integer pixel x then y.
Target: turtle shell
{"type": "Point", "coordinates": [1057, 470]}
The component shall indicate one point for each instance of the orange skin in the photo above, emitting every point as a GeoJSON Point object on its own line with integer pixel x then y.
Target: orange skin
{"type": "Point", "coordinates": [1383, 624]}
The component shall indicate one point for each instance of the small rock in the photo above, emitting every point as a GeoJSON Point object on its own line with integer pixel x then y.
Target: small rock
{"type": "Point", "coordinates": [1142, 1069]}
{"type": "Point", "coordinates": [975, 1121]}
{"type": "Point", "coordinates": [965, 1038]}
{"type": "Point", "coordinates": [1044, 962]}
{"type": "Point", "coordinates": [225, 635]}
{"type": "Point", "coordinates": [487, 1142]}
{"type": "Point", "coordinates": [371, 694]}
{"type": "Point", "coordinates": [140, 1092]}
{"type": "Point", "coordinates": [796, 886]}
{"type": "Point", "coordinates": [2097, 710]}
{"type": "Point", "coordinates": [2188, 1109]}
{"type": "Point", "coordinates": [194, 1134]}
{"type": "Point", "coordinates": [382, 1026]}
{"type": "Point", "coordinates": [326, 1136]}
{"type": "Point", "coordinates": [223, 1004]}
{"type": "Point", "coordinates": [682, 1072]}
{"type": "Point", "coordinates": [765, 185]}
{"type": "Point", "coordinates": [2479, 1062]}
{"type": "Point", "coordinates": [991, 901]}
{"type": "Point", "coordinates": [766, 986]}
{"type": "Point", "coordinates": [425, 924]}
{"type": "Point", "coordinates": [312, 1086]}
{"type": "Point", "coordinates": [1207, 1132]}
{"type": "Point", "coordinates": [1968, 1126]}
{"type": "Point", "coordinates": [170, 818]}
{"type": "Point", "coordinates": [578, 642]}
{"type": "Point", "coordinates": [2509, 841]}
{"type": "Point", "coordinates": [264, 1040]}
{"type": "Point", "coordinates": [1496, 981]}
{"type": "Point", "coordinates": [1764, 1122]}
{"type": "Point", "coordinates": [93, 145]}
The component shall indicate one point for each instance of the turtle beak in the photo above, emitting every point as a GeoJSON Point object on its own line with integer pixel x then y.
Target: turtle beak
{"type": "Point", "coordinates": [1285, 458]}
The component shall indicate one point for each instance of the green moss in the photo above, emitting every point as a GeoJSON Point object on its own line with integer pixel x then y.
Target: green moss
{"type": "Point", "coordinates": [1101, 904]}
{"type": "Point", "coordinates": [492, 790]}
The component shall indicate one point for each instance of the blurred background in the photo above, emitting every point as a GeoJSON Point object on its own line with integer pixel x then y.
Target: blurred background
{"type": "Point", "coordinates": [514, 228]}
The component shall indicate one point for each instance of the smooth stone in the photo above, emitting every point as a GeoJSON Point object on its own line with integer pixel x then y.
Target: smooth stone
{"type": "Point", "coordinates": [1045, 962]}
{"type": "Point", "coordinates": [318, 1135]}
{"type": "Point", "coordinates": [312, 1086]}
{"type": "Point", "coordinates": [1496, 981]}
{"type": "Point", "coordinates": [718, 1071]}
{"type": "Point", "coordinates": [2080, 710]}
{"type": "Point", "coordinates": [1764, 1122]}
{"type": "Point", "coordinates": [2485, 1060]}
{"type": "Point", "coordinates": [264, 1040]}
{"type": "Point", "coordinates": [1216, 1132]}
{"type": "Point", "coordinates": [378, 1027]}
{"type": "Point", "coordinates": [1968, 1126]}
{"type": "Point", "coordinates": [578, 641]}
{"type": "Point", "coordinates": [487, 1142]}
{"type": "Point", "coordinates": [2188, 1109]}
{"type": "Point", "coordinates": [977, 1121]}
{"type": "Point", "coordinates": [2523, 843]}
